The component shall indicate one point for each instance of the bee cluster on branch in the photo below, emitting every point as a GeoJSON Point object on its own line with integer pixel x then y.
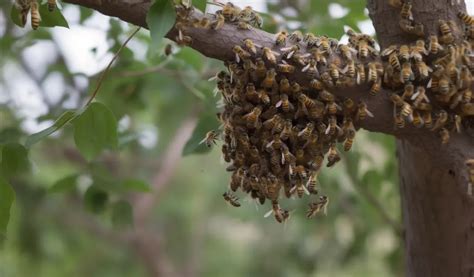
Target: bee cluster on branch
{"type": "Point", "coordinates": [277, 132]}
{"type": "Point", "coordinates": [432, 79]}
{"type": "Point", "coordinates": [31, 7]}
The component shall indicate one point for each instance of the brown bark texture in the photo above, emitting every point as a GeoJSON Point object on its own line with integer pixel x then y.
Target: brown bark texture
{"type": "Point", "coordinates": [438, 209]}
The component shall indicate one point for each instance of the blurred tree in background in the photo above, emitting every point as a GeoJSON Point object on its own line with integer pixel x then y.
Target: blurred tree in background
{"type": "Point", "coordinates": [152, 203]}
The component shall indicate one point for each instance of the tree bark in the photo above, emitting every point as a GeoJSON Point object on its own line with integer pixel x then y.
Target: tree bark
{"type": "Point", "coordinates": [438, 208]}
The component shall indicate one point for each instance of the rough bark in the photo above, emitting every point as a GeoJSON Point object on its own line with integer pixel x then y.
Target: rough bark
{"type": "Point", "coordinates": [437, 209]}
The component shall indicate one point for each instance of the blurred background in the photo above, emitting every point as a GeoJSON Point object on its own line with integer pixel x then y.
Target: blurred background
{"type": "Point", "coordinates": [154, 205]}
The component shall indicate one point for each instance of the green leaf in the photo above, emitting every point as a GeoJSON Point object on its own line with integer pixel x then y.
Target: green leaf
{"type": "Point", "coordinates": [9, 134]}
{"type": "Point", "coordinates": [64, 184]}
{"type": "Point", "coordinates": [95, 130]}
{"type": "Point", "coordinates": [136, 185]}
{"type": "Point", "coordinates": [58, 124]}
{"type": "Point", "coordinates": [52, 19]}
{"type": "Point", "coordinates": [200, 4]}
{"type": "Point", "coordinates": [14, 160]}
{"type": "Point", "coordinates": [7, 196]}
{"type": "Point", "coordinates": [160, 19]}
{"type": "Point", "coordinates": [206, 123]}
{"type": "Point", "coordinates": [15, 16]}
{"type": "Point", "coordinates": [122, 214]}
{"type": "Point", "coordinates": [95, 199]}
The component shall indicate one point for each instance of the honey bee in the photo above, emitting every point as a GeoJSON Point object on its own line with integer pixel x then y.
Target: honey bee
{"type": "Point", "coordinates": [446, 34]}
{"type": "Point", "coordinates": [240, 53]}
{"type": "Point", "coordinates": [280, 214]}
{"type": "Point", "coordinates": [350, 69]}
{"type": "Point", "coordinates": [242, 25]}
{"type": "Point", "coordinates": [347, 51]}
{"type": "Point", "coordinates": [470, 165]}
{"type": "Point", "coordinates": [204, 23]}
{"type": "Point", "coordinates": [269, 80]}
{"type": "Point", "coordinates": [408, 27]}
{"type": "Point", "coordinates": [218, 22]}
{"type": "Point", "coordinates": [327, 79]}
{"type": "Point", "coordinates": [361, 76]}
{"type": "Point", "coordinates": [467, 19]}
{"type": "Point", "coordinates": [270, 123]}
{"type": "Point", "coordinates": [398, 101]}
{"type": "Point", "coordinates": [280, 38]}
{"type": "Point", "coordinates": [260, 68]}
{"type": "Point", "coordinates": [310, 67]}
{"type": "Point", "coordinates": [404, 53]}
{"type": "Point", "coordinates": [312, 184]}
{"type": "Point", "coordinates": [441, 120]}
{"type": "Point", "coordinates": [419, 96]}
{"type": "Point", "coordinates": [264, 97]}
{"type": "Point", "coordinates": [334, 71]}
{"type": "Point", "coordinates": [416, 119]}
{"type": "Point", "coordinates": [24, 7]}
{"type": "Point", "coordinates": [307, 131]}
{"type": "Point", "coordinates": [35, 15]}
{"type": "Point", "coordinates": [231, 199]}
{"type": "Point", "coordinates": [316, 207]}
{"type": "Point", "coordinates": [210, 138]}
{"type": "Point", "coordinates": [324, 44]}
{"type": "Point", "coordinates": [428, 119]}
{"type": "Point", "coordinates": [406, 73]}
{"type": "Point", "coordinates": [270, 55]}
{"type": "Point", "coordinates": [319, 56]}
{"type": "Point", "coordinates": [169, 50]}
{"type": "Point", "coordinates": [362, 111]}
{"type": "Point", "coordinates": [457, 123]}
{"type": "Point", "coordinates": [284, 103]}
{"type": "Point", "coordinates": [183, 40]}
{"type": "Point", "coordinates": [394, 62]}
{"type": "Point", "coordinates": [395, 3]}
{"type": "Point", "coordinates": [285, 68]}
{"type": "Point", "coordinates": [376, 86]}
{"type": "Point", "coordinates": [467, 109]}
{"type": "Point", "coordinates": [253, 116]}
{"type": "Point", "coordinates": [236, 180]}
{"type": "Point", "coordinates": [290, 50]}
{"type": "Point", "coordinates": [296, 36]}
{"type": "Point", "coordinates": [465, 78]}
{"type": "Point", "coordinates": [372, 72]}
{"type": "Point", "coordinates": [333, 156]}
{"type": "Point", "coordinates": [248, 43]}
{"type": "Point", "coordinates": [434, 46]}
{"type": "Point", "coordinates": [230, 11]}
{"type": "Point", "coordinates": [399, 121]}
{"type": "Point", "coordinates": [363, 47]}
{"type": "Point", "coordinates": [444, 135]}
{"type": "Point", "coordinates": [405, 12]}
{"type": "Point", "coordinates": [467, 96]}
{"type": "Point", "coordinates": [423, 69]}
{"type": "Point", "coordinates": [273, 188]}
{"type": "Point", "coordinates": [51, 5]}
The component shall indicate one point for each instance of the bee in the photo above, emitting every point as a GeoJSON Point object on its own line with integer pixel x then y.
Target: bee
{"type": "Point", "coordinates": [408, 27]}
{"type": "Point", "coordinates": [467, 96]}
{"type": "Point", "coordinates": [35, 15]}
{"type": "Point", "coordinates": [419, 96]}
{"type": "Point", "coordinates": [361, 76]}
{"type": "Point", "coordinates": [280, 214]}
{"type": "Point", "coordinates": [248, 43]}
{"type": "Point", "coordinates": [406, 73]}
{"type": "Point", "coordinates": [376, 86]}
{"type": "Point", "coordinates": [204, 23]}
{"type": "Point", "coordinates": [418, 50]}
{"type": "Point", "coordinates": [398, 101]}
{"type": "Point", "coordinates": [231, 199]}
{"type": "Point", "coordinates": [362, 111]}
{"type": "Point", "coordinates": [260, 68]}
{"type": "Point", "coordinates": [423, 69]}
{"type": "Point", "coordinates": [399, 121]}
{"type": "Point", "coordinates": [307, 131]}
{"type": "Point", "coordinates": [290, 50]}
{"type": "Point", "coordinates": [273, 187]}
{"type": "Point", "coordinates": [394, 62]}
{"type": "Point", "coordinates": [441, 120]}
{"type": "Point", "coordinates": [446, 34]}
{"type": "Point", "coordinates": [264, 97]}
{"type": "Point", "coordinates": [395, 3]}
{"type": "Point", "coordinates": [470, 164]}
{"type": "Point", "coordinates": [319, 56]}
{"type": "Point", "coordinates": [327, 79]}
{"type": "Point", "coordinates": [230, 11]}
{"type": "Point", "coordinates": [347, 51]}
{"type": "Point", "coordinates": [253, 116]}
{"type": "Point", "coordinates": [467, 19]}
{"type": "Point", "coordinates": [284, 103]}
{"type": "Point", "coordinates": [312, 184]}
{"type": "Point", "coordinates": [444, 135]}
{"type": "Point", "coordinates": [457, 123]}
{"type": "Point", "coordinates": [434, 46]}
{"type": "Point", "coordinates": [240, 53]}
{"type": "Point", "coordinates": [316, 207]}
{"type": "Point", "coordinates": [332, 125]}
{"type": "Point", "coordinates": [405, 12]}
{"type": "Point", "coordinates": [269, 80]}
{"type": "Point", "coordinates": [169, 50]}
{"type": "Point", "coordinates": [310, 67]}
{"type": "Point", "coordinates": [24, 7]}
{"type": "Point", "coordinates": [285, 68]}
{"type": "Point", "coordinates": [183, 40]}
{"type": "Point", "coordinates": [350, 69]}
{"type": "Point", "coordinates": [236, 180]}
{"type": "Point", "coordinates": [363, 47]}
{"type": "Point", "coordinates": [404, 53]}
{"type": "Point", "coordinates": [428, 119]}
{"type": "Point", "coordinates": [210, 138]}
{"type": "Point", "coordinates": [51, 5]}
{"type": "Point", "coordinates": [416, 119]}
{"type": "Point", "coordinates": [218, 22]}
{"type": "Point", "coordinates": [269, 55]}
{"type": "Point", "coordinates": [296, 36]}
{"type": "Point", "coordinates": [333, 156]}
{"type": "Point", "coordinates": [242, 25]}
{"type": "Point", "coordinates": [300, 189]}
{"type": "Point", "coordinates": [270, 123]}
{"type": "Point", "coordinates": [465, 78]}
{"type": "Point", "coordinates": [334, 71]}
{"type": "Point", "coordinates": [467, 109]}
{"type": "Point", "coordinates": [325, 44]}
{"type": "Point", "coordinates": [280, 38]}
{"type": "Point", "coordinates": [372, 72]}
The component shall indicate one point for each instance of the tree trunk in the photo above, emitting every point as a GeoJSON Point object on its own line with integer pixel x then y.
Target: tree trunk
{"type": "Point", "coordinates": [437, 202]}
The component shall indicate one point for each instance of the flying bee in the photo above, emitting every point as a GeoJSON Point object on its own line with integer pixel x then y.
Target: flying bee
{"type": "Point", "coordinates": [210, 138]}
{"type": "Point", "coordinates": [333, 155]}
{"type": "Point", "coordinates": [408, 27]}
{"type": "Point", "coordinates": [290, 50]}
{"type": "Point", "coordinates": [361, 76]}
{"type": "Point", "coordinates": [270, 55]}
{"type": "Point", "coordinates": [285, 68]}
{"type": "Point", "coordinates": [248, 43]}
{"type": "Point", "coordinates": [296, 36]}
{"type": "Point", "coordinates": [253, 116]}
{"type": "Point", "coordinates": [444, 135]}
{"type": "Point", "coordinates": [405, 12]}
{"type": "Point", "coordinates": [280, 38]}
{"type": "Point", "coordinates": [405, 108]}
{"type": "Point", "coordinates": [51, 5]}
{"type": "Point", "coordinates": [419, 96]}
{"type": "Point", "coordinates": [467, 19]}
{"type": "Point", "coordinates": [441, 120]}
{"type": "Point", "coordinates": [284, 103]}
{"type": "Point", "coordinates": [280, 214]}
{"type": "Point", "coordinates": [434, 46]}
{"type": "Point", "coordinates": [35, 15]}
{"type": "Point", "coordinates": [231, 199]}
{"type": "Point", "coordinates": [376, 86]}
{"type": "Point", "coordinates": [446, 34]}
{"type": "Point", "coordinates": [269, 80]}
{"type": "Point", "coordinates": [406, 74]}
{"type": "Point", "coordinates": [240, 53]}
{"type": "Point", "coordinates": [362, 111]}
{"type": "Point", "coordinates": [316, 207]}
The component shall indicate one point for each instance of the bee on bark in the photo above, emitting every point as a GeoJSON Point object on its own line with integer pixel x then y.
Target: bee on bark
{"type": "Point", "coordinates": [296, 36]}
{"type": "Point", "coordinates": [376, 86]}
{"type": "Point", "coordinates": [394, 62]}
{"type": "Point", "coordinates": [270, 55]}
{"type": "Point", "coordinates": [419, 96]}
{"type": "Point", "coordinates": [290, 50]}
{"type": "Point", "coordinates": [285, 68]}
{"type": "Point", "coordinates": [361, 76]}
{"type": "Point", "coordinates": [240, 53]}
{"type": "Point", "coordinates": [210, 138]}
{"type": "Point", "coordinates": [417, 120]}
{"type": "Point", "coordinates": [423, 69]}
{"type": "Point", "coordinates": [434, 47]}
{"type": "Point", "coordinates": [269, 80]}
{"type": "Point", "coordinates": [441, 120]}
{"type": "Point", "coordinates": [444, 135]}
{"type": "Point", "coordinates": [446, 33]}
{"type": "Point", "coordinates": [467, 109]}
{"type": "Point", "coordinates": [395, 3]}
{"type": "Point", "coordinates": [248, 43]}
{"type": "Point", "coordinates": [405, 108]}
{"type": "Point", "coordinates": [467, 19]}
{"type": "Point", "coordinates": [231, 199]}
{"type": "Point", "coordinates": [372, 72]}
{"type": "Point", "coordinates": [427, 119]}
{"type": "Point", "coordinates": [260, 68]}
{"type": "Point", "coordinates": [399, 121]}
{"type": "Point", "coordinates": [280, 38]}
{"type": "Point", "coordinates": [316, 207]}
{"type": "Point", "coordinates": [404, 53]}
{"type": "Point", "coordinates": [405, 12]}
{"type": "Point", "coordinates": [242, 25]}
{"type": "Point", "coordinates": [411, 28]}
{"type": "Point", "coordinates": [284, 103]}
{"type": "Point", "coordinates": [362, 111]}
{"type": "Point", "coordinates": [204, 23]}
{"type": "Point", "coordinates": [230, 11]}
{"type": "Point", "coordinates": [406, 73]}
{"type": "Point", "coordinates": [218, 22]}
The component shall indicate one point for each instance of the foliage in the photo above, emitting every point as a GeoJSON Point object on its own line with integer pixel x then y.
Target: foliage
{"type": "Point", "coordinates": [71, 178]}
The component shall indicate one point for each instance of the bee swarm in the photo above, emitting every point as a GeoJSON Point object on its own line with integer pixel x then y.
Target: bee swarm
{"type": "Point", "coordinates": [277, 132]}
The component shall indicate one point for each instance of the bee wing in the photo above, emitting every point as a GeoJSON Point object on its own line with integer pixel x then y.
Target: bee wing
{"type": "Point", "coordinates": [369, 113]}
{"type": "Point", "coordinates": [237, 58]}
{"type": "Point", "coordinates": [306, 67]}
{"type": "Point", "coordinates": [278, 104]}
{"type": "Point", "coordinates": [267, 214]}
{"type": "Point", "coordinates": [328, 129]}
{"type": "Point", "coordinates": [290, 54]}
{"type": "Point", "coordinates": [203, 140]}
{"type": "Point", "coordinates": [306, 190]}
{"type": "Point", "coordinates": [415, 95]}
